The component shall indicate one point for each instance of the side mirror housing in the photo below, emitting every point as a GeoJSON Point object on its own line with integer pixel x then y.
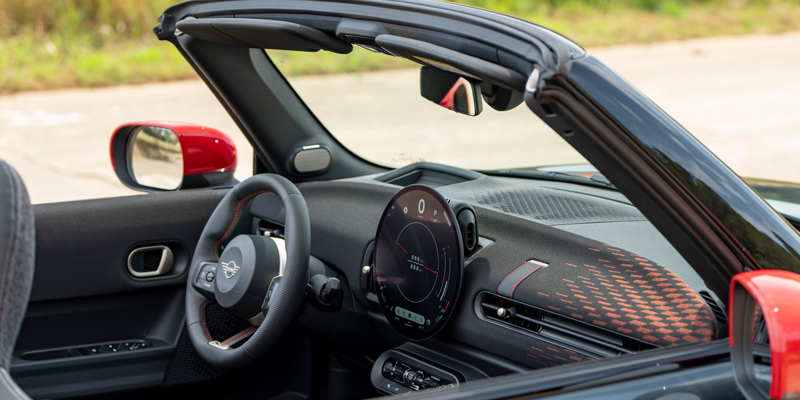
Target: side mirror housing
{"type": "Point", "coordinates": [160, 156]}
{"type": "Point", "coordinates": [776, 293]}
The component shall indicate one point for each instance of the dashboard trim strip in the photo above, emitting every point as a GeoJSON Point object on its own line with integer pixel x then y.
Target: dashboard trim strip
{"type": "Point", "coordinates": [512, 280]}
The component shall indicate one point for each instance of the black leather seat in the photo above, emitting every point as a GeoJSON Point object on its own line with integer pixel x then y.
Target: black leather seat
{"type": "Point", "coordinates": [17, 244]}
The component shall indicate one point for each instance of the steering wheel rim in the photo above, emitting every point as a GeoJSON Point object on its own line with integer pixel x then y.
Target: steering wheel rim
{"type": "Point", "coordinates": [283, 303]}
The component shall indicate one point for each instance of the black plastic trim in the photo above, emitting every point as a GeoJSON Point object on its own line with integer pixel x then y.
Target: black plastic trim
{"type": "Point", "coordinates": [211, 179]}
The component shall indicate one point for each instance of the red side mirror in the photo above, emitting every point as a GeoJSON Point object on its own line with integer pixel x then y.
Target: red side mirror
{"type": "Point", "coordinates": [777, 293]}
{"type": "Point", "coordinates": [158, 156]}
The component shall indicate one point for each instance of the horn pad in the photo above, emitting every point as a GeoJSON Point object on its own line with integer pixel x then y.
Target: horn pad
{"type": "Point", "coordinates": [244, 272]}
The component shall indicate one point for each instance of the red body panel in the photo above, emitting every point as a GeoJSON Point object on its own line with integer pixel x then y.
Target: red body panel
{"type": "Point", "coordinates": [778, 294]}
{"type": "Point", "coordinates": [205, 150]}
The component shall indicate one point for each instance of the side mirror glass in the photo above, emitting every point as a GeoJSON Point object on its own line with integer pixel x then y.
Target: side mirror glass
{"type": "Point", "coordinates": [765, 334]}
{"type": "Point", "coordinates": [156, 158]}
{"type": "Point", "coordinates": [451, 91]}
{"type": "Point", "coordinates": [159, 156]}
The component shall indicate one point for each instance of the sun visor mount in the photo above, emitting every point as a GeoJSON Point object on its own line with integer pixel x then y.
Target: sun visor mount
{"type": "Point", "coordinates": [263, 34]}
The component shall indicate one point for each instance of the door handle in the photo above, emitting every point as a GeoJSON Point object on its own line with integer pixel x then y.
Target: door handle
{"type": "Point", "coordinates": [150, 261]}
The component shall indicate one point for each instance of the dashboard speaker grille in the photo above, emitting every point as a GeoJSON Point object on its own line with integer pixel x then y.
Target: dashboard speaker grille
{"type": "Point", "coordinates": [555, 207]}
{"type": "Point", "coordinates": [311, 159]}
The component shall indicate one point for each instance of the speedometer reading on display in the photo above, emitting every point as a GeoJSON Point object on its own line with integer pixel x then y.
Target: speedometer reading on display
{"type": "Point", "coordinates": [418, 261]}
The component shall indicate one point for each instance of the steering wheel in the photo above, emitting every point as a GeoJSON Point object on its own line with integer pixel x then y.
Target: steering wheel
{"type": "Point", "coordinates": [258, 278]}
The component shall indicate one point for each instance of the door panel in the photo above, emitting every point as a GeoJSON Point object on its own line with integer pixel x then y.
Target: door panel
{"type": "Point", "coordinates": [92, 327]}
{"type": "Point", "coordinates": [82, 247]}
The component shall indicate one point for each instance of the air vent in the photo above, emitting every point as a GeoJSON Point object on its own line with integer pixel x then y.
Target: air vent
{"type": "Point", "coordinates": [719, 313]}
{"type": "Point", "coordinates": [500, 309]}
{"type": "Point", "coordinates": [577, 336]}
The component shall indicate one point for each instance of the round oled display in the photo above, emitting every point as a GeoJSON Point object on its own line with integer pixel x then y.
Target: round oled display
{"type": "Point", "coordinates": [418, 261]}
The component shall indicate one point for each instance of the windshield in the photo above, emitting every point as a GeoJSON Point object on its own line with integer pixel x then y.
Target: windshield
{"type": "Point", "coordinates": [381, 117]}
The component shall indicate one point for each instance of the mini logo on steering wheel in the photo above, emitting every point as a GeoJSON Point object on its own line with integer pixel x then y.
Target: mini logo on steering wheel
{"type": "Point", "coordinates": [230, 269]}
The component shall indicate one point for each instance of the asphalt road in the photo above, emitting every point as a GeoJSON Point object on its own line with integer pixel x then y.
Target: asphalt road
{"type": "Point", "coordinates": [740, 96]}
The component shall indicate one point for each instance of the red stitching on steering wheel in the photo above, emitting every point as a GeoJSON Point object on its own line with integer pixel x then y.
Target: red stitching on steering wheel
{"type": "Point", "coordinates": [235, 219]}
{"type": "Point", "coordinates": [203, 319]}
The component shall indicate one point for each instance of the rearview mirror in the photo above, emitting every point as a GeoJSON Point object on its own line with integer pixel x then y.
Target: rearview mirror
{"type": "Point", "coordinates": [764, 338]}
{"type": "Point", "coordinates": [159, 156]}
{"type": "Point", "coordinates": [451, 91]}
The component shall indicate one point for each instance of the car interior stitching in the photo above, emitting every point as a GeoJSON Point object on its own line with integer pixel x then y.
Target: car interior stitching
{"type": "Point", "coordinates": [235, 219]}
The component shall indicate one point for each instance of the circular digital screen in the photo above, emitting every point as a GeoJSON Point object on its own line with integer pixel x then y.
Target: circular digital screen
{"type": "Point", "coordinates": [418, 261]}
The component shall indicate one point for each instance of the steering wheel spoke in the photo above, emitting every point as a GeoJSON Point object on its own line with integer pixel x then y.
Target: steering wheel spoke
{"type": "Point", "coordinates": [274, 289]}
{"type": "Point", "coordinates": [203, 281]}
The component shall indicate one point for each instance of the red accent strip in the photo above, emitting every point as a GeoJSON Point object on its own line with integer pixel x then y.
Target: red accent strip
{"type": "Point", "coordinates": [511, 273]}
{"type": "Point", "coordinates": [203, 319]}
{"type": "Point", "coordinates": [511, 292]}
{"type": "Point", "coordinates": [239, 335]}
{"type": "Point", "coordinates": [235, 219]}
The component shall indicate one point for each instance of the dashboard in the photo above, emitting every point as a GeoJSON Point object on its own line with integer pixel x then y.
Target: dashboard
{"type": "Point", "coordinates": [558, 273]}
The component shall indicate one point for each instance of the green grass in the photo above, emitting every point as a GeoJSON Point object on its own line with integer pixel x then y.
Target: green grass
{"type": "Point", "coordinates": [50, 44]}
{"type": "Point", "coordinates": [27, 64]}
